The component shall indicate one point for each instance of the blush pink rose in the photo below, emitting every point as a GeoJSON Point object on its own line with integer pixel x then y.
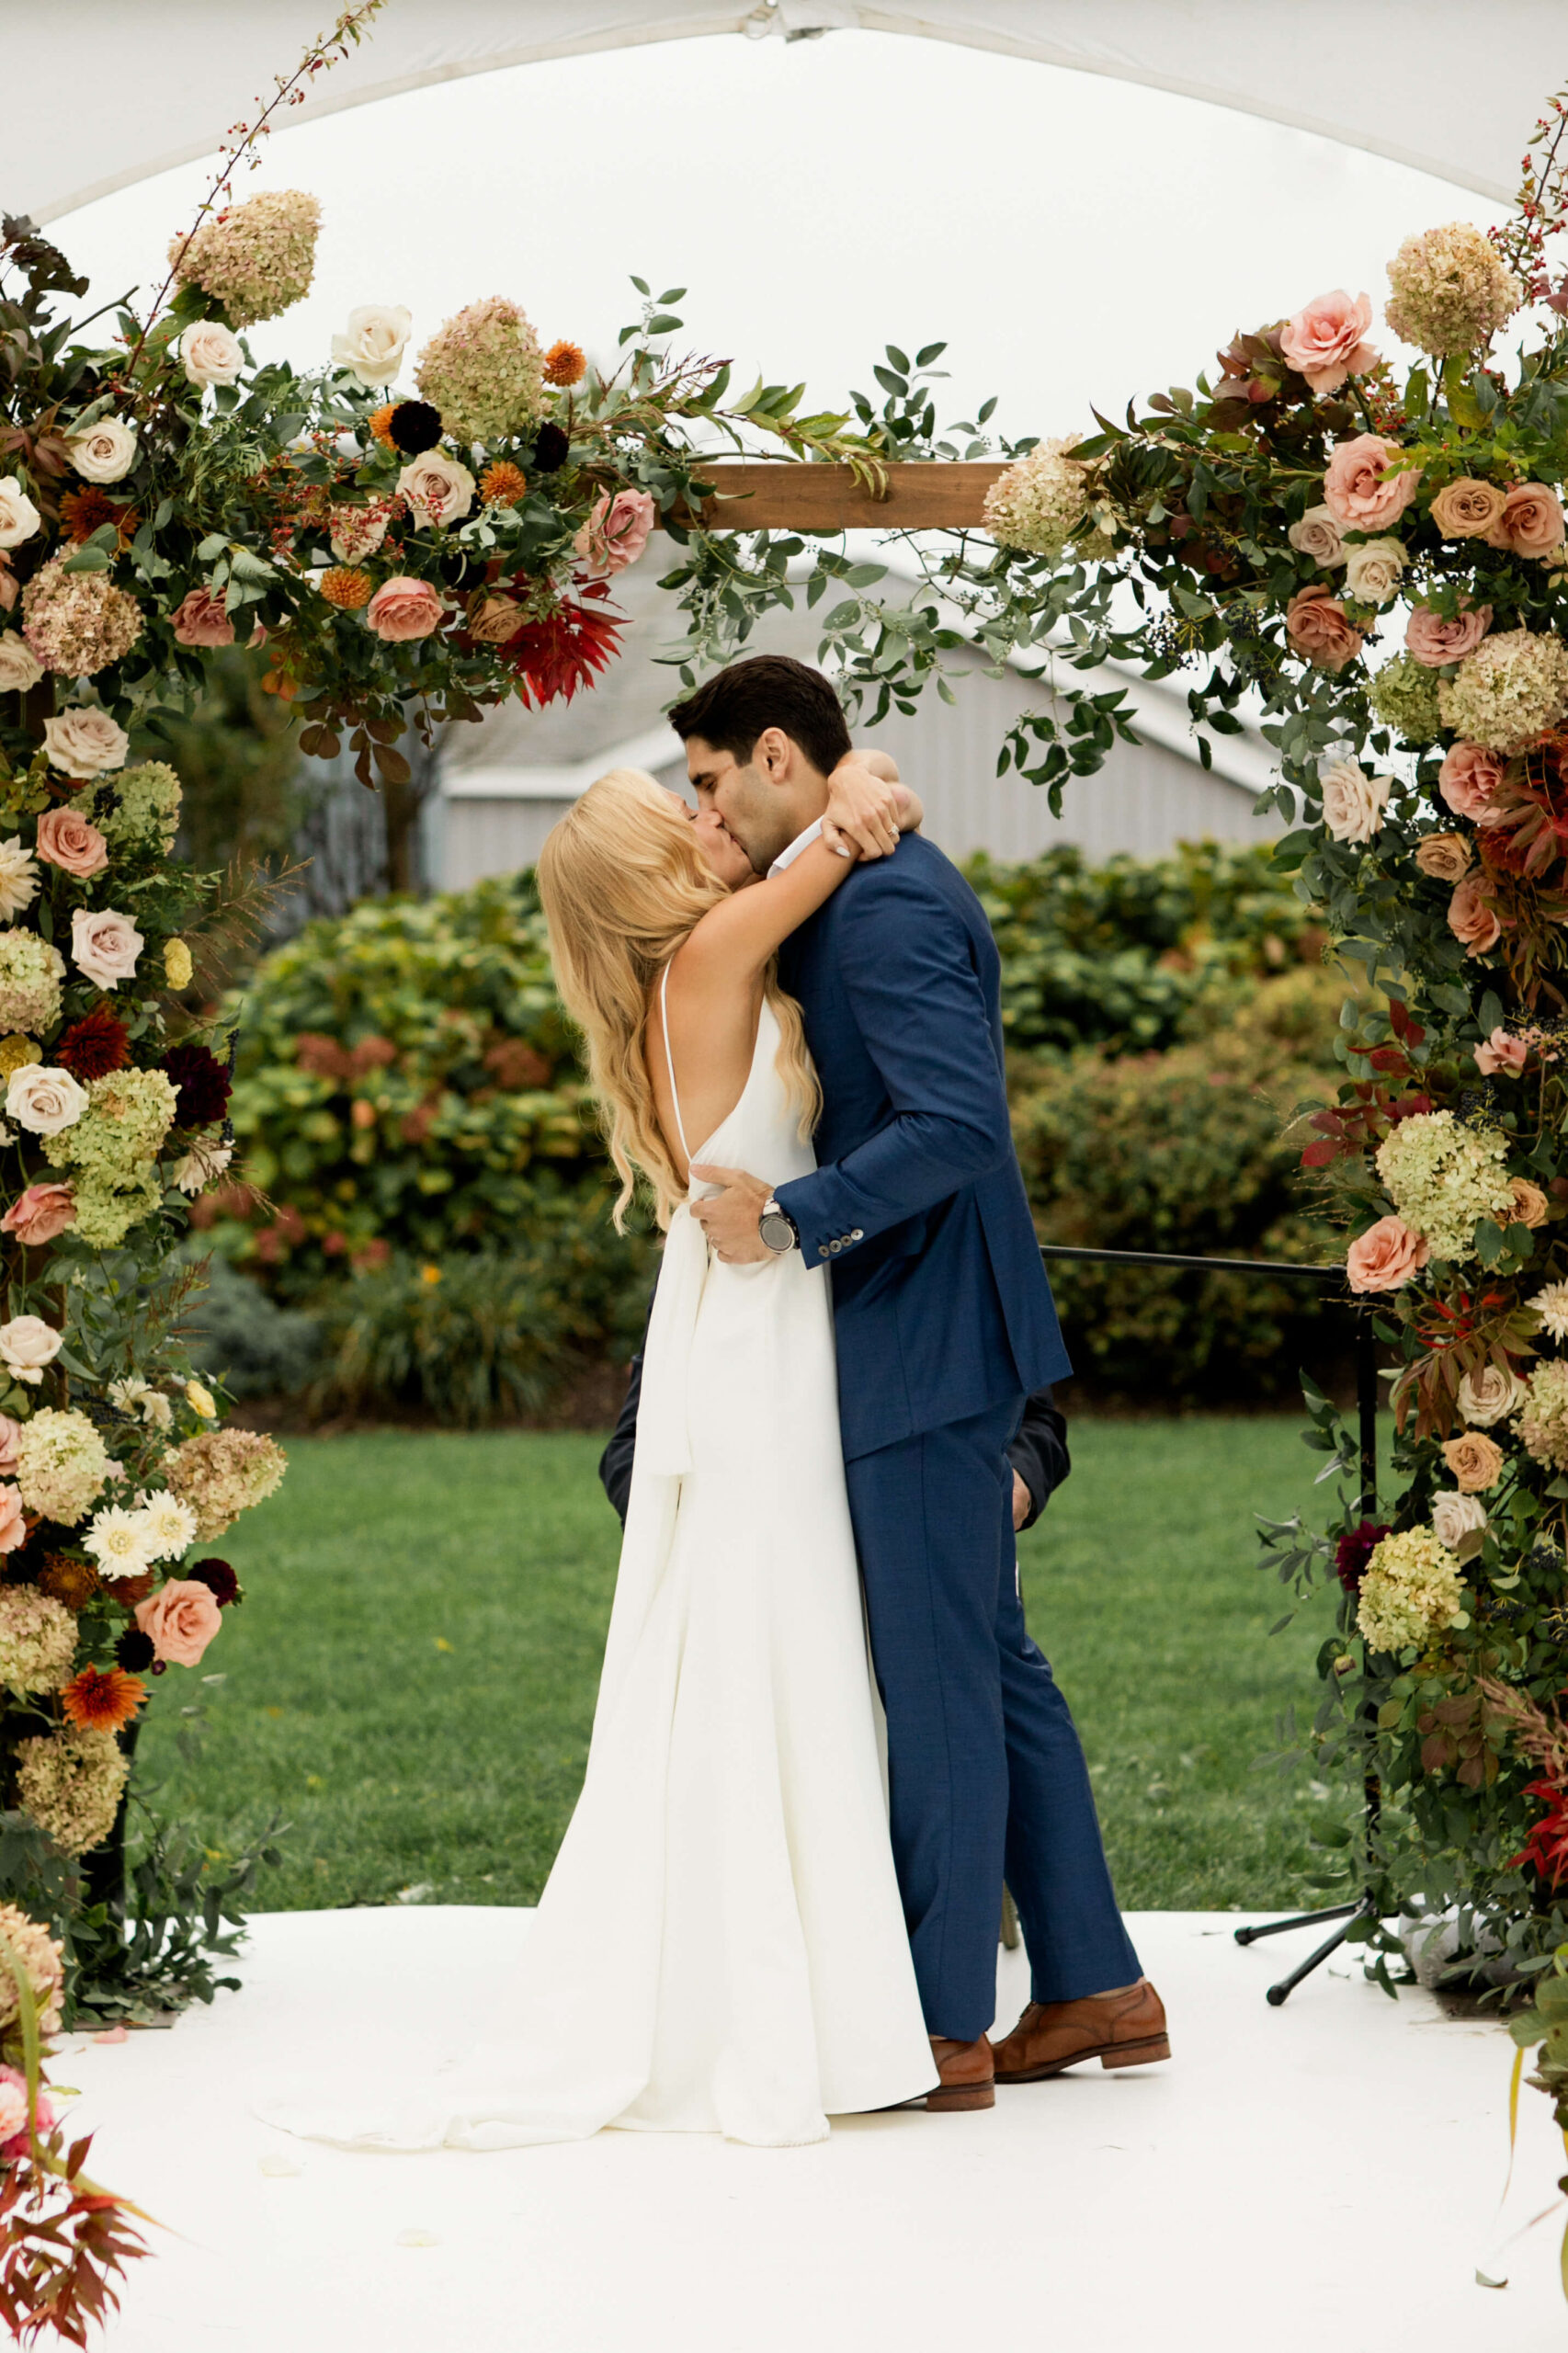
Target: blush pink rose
{"type": "Point", "coordinates": [10, 1432]}
{"type": "Point", "coordinates": [1354, 489]}
{"type": "Point", "coordinates": [402, 610]}
{"type": "Point", "coordinates": [1317, 626]}
{"type": "Point", "coordinates": [1470, 919]}
{"type": "Point", "coordinates": [1468, 778]}
{"type": "Point", "coordinates": [40, 1213]}
{"type": "Point", "coordinates": [1432, 640]}
{"type": "Point", "coordinates": [1325, 340]}
{"type": "Point", "coordinates": [13, 1520]}
{"type": "Point", "coordinates": [1385, 1257]}
{"type": "Point", "coordinates": [616, 531]}
{"type": "Point", "coordinates": [199, 619]}
{"type": "Point", "coordinates": [179, 1621]}
{"type": "Point", "coordinates": [1531, 521]}
{"type": "Point", "coordinates": [105, 945]}
{"type": "Point", "coordinates": [65, 839]}
{"type": "Point", "coordinates": [1500, 1051]}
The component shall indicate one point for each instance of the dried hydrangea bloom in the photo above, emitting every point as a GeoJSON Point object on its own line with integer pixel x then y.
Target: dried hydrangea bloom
{"type": "Point", "coordinates": [1041, 502]}
{"type": "Point", "coordinates": [141, 805]}
{"type": "Point", "coordinates": [221, 1473]}
{"type": "Point", "coordinates": [1411, 1591]}
{"type": "Point", "coordinates": [43, 1964]}
{"type": "Point", "coordinates": [256, 259]}
{"type": "Point", "coordinates": [485, 372]}
{"type": "Point", "coordinates": [1448, 289]}
{"type": "Point", "coordinates": [70, 1783]}
{"type": "Point", "coordinates": [1508, 691]}
{"type": "Point", "coordinates": [78, 623]}
{"type": "Point", "coordinates": [61, 1463]}
{"type": "Point", "coordinates": [112, 1149]}
{"type": "Point", "coordinates": [37, 1639]}
{"type": "Point", "coordinates": [1442, 1176]}
{"type": "Point", "coordinates": [1403, 693]}
{"type": "Point", "coordinates": [1543, 1424]}
{"type": "Point", "coordinates": [30, 974]}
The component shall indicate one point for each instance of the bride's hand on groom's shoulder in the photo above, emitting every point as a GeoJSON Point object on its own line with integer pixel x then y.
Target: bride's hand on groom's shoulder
{"type": "Point", "coordinates": [863, 813]}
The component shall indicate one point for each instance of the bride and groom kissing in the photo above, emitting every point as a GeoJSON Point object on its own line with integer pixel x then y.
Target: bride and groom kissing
{"type": "Point", "coordinates": [777, 1898]}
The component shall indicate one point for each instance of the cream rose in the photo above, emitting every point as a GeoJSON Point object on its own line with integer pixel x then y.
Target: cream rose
{"type": "Point", "coordinates": [84, 742]}
{"type": "Point", "coordinates": [19, 518]}
{"type": "Point", "coordinates": [1353, 802]}
{"type": "Point", "coordinates": [44, 1100]}
{"type": "Point", "coordinates": [1317, 535]}
{"type": "Point", "coordinates": [211, 353]}
{"type": "Point", "coordinates": [19, 665]}
{"type": "Point", "coordinates": [438, 489]}
{"type": "Point", "coordinates": [27, 1345]}
{"type": "Point", "coordinates": [103, 452]}
{"type": "Point", "coordinates": [1459, 1522]}
{"type": "Point", "coordinates": [1385, 1257]}
{"type": "Point", "coordinates": [1446, 856]}
{"type": "Point", "coordinates": [1487, 1395]}
{"type": "Point", "coordinates": [105, 945]}
{"type": "Point", "coordinates": [1372, 570]}
{"type": "Point", "coordinates": [373, 347]}
{"type": "Point", "coordinates": [1466, 509]}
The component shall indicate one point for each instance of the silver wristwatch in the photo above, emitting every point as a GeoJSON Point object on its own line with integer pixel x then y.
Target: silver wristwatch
{"type": "Point", "coordinates": [777, 1228]}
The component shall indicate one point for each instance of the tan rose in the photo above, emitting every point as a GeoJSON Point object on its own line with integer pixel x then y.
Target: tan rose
{"type": "Point", "coordinates": [1317, 535]}
{"type": "Point", "coordinates": [1446, 856]}
{"type": "Point", "coordinates": [1466, 509]}
{"type": "Point", "coordinates": [1530, 522]}
{"type": "Point", "coordinates": [1486, 1396]}
{"type": "Point", "coordinates": [496, 621]}
{"type": "Point", "coordinates": [1470, 919]}
{"type": "Point", "coordinates": [1316, 625]}
{"type": "Point", "coordinates": [1529, 1202]}
{"type": "Point", "coordinates": [1475, 1462]}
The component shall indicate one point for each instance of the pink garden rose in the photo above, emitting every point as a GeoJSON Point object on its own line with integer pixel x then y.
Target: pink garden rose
{"type": "Point", "coordinates": [65, 839]}
{"type": "Point", "coordinates": [1325, 340]}
{"type": "Point", "coordinates": [616, 531]}
{"type": "Point", "coordinates": [1502, 1052]}
{"type": "Point", "coordinates": [199, 619]}
{"type": "Point", "coordinates": [1470, 919]}
{"type": "Point", "coordinates": [40, 1213]}
{"type": "Point", "coordinates": [1531, 521]}
{"type": "Point", "coordinates": [1432, 640]}
{"type": "Point", "coordinates": [1384, 1258]}
{"type": "Point", "coordinates": [105, 945]}
{"type": "Point", "coordinates": [1468, 778]}
{"type": "Point", "coordinates": [402, 610]}
{"type": "Point", "coordinates": [1317, 626]}
{"type": "Point", "coordinates": [1354, 489]}
{"type": "Point", "coordinates": [10, 1432]}
{"type": "Point", "coordinates": [13, 1522]}
{"type": "Point", "coordinates": [179, 1621]}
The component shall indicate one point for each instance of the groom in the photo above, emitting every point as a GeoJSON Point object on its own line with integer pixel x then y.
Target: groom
{"type": "Point", "coordinates": [944, 1323]}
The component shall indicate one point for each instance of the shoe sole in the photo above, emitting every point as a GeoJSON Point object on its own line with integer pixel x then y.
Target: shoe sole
{"type": "Point", "coordinates": [1110, 2055]}
{"type": "Point", "coordinates": [955, 2096]}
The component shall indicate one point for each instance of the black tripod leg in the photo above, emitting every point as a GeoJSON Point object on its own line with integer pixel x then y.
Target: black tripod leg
{"type": "Point", "coordinates": [1280, 1993]}
{"type": "Point", "coordinates": [1299, 1920]}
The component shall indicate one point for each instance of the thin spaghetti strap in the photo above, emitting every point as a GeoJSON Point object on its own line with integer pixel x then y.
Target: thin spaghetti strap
{"type": "Point", "coordinates": [670, 1064]}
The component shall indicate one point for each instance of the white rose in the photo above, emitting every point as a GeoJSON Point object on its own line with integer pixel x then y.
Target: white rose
{"type": "Point", "coordinates": [211, 353]}
{"type": "Point", "coordinates": [105, 945]}
{"type": "Point", "coordinates": [438, 488]}
{"type": "Point", "coordinates": [1459, 1522]}
{"type": "Point", "coordinates": [103, 452]}
{"type": "Point", "coordinates": [1491, 1395]}
{"type": "Point", "coordinates": [19, 518]}
{"type": "Point", "coordinates": [27, 1345]}
{"type": "Point", "coordinates": [1353, 802]}
{"type": "Point", "coordinates": [43, 1100]}
{"type": "Point", "coordinates": [19, 665]}
{"type": "Point", "coordinates": [372, 349]}
{"type": "Point", "coordinates": [1318, 535]}
{"type": "Point", "coordinates": [84, 742]}
{"type": "Point", "coordinates": [1372, 570]}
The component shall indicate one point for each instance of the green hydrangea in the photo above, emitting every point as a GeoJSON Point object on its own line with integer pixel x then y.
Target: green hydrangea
{"type": "Point", "coordinates": [1411, 1590]}
{"type": "Point", "coordinates": [1404, 696]}
{"type": "Point", "coordinates": [1512, 687]}
{"type": "Point", "coordinates": [485, 372]}
{"type": "Point", "coordinates": [30, 974]}
{"type": "Point", "coordinates": [113, 1150]}
{"type": "Point", "coordinates": [1442, 1176]}
{"type": "Point", "coordinates": [61, 1463]}
{"type": "Point", "coordinates": [140, 807]}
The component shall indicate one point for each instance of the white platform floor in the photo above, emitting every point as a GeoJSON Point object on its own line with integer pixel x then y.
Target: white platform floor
{"type": "Point", "coordinates": [1322, 2178]}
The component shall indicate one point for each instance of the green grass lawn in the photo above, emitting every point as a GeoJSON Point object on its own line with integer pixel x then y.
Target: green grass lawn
{"type": "Point", "coordinates": [411, 1680]}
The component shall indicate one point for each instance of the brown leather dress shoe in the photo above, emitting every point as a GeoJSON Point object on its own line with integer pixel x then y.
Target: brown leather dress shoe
{"type": "Point", "coordinates": [965, 2072]}
{"type": "Point", "coordinates": [1124, 2030]}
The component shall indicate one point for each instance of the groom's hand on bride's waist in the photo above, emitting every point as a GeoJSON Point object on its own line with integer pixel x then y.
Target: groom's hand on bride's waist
{"type": "Point", "coordinates": [731, 1217]}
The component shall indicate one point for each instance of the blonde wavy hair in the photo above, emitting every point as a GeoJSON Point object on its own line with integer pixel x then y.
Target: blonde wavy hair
{"type": "Point", "coordinates": [623, 883]}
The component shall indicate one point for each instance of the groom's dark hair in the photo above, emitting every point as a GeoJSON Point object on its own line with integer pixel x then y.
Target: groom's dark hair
{"type": "Point", "coordinates": [768, 690]}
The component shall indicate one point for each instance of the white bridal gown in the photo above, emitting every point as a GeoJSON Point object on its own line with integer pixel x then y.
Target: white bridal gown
{"type": "Point", "coordinates": [720, 1946]}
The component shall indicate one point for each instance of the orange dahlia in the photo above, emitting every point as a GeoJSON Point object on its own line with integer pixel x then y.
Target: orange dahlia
{"type": "Point", "coordinates": [564, 363]}
{"type": "Point", "coordinates": [84, 511]}
{"type": "Point", "coordinates": [380, 423]}
{"type": "Point", "coordinates": [346, 587]}
{"type": "Point", "coordinates": [101, 1702]}
{"type": "Point", "coordinates": [503, 485]}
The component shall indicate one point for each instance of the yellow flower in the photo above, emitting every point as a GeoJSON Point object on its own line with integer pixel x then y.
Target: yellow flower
{"type": "Point", "coordinates": [429, 1273]}
{"type": "Point", "coordinates": [203, 1399]}
{"type": "Point", "coordinates": [17, 1052]}
{"type": "Point", "coordinates": [178, 965]}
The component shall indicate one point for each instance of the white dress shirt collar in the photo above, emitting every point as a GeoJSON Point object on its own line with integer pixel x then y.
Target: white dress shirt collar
{"type": "Point", "coordinates": [802, 841]}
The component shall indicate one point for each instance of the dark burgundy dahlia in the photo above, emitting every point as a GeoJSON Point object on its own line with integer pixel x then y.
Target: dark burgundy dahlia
{"type": "Point", "coordinates": [204, 1086]}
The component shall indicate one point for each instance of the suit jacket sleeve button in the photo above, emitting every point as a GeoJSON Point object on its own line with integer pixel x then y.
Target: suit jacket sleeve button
{"type": "Point", "coordinates": [858, 1235]}
{"type": "Point", "coordinates": [821, 1249]}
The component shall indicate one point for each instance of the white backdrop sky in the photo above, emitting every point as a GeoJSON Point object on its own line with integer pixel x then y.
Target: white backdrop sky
{"type": "Point", "coordinates": [1072, 239]}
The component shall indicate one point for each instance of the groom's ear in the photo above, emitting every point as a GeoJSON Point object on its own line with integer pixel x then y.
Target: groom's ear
{"type": "Point", "coordinates": [775, 755]}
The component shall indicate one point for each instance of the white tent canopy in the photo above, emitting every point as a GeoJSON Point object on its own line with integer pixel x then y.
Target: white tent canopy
{"type": "Point", "coordinates": [157, 82]}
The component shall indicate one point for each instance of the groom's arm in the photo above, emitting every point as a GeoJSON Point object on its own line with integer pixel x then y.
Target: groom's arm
{"type": "Point", "coordinates": [908, 975]}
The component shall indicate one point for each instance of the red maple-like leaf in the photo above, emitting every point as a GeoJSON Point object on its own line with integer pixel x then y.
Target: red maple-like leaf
{"type": "Point", "coordinates": [555, 658]}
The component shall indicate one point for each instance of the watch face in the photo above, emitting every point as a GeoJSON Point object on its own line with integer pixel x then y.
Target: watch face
{"type": "Point", "coordinates": [776, 1231]}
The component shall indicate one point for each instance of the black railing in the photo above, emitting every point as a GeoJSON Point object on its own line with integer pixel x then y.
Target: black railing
{"type": "Point", "coordinates": [1367, 1433]}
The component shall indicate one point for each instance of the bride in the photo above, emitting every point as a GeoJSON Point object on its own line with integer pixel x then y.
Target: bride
{"type": "Point", "coordinates": [720, 1946]}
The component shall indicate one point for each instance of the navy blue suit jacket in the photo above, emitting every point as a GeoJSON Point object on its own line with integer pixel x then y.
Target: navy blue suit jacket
{"type": "Point", "coordinates": [941, 1303]}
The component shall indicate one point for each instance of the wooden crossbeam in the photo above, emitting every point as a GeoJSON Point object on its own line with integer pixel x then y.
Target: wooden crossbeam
{"type": "Point", "coordinates": [790, 496]}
